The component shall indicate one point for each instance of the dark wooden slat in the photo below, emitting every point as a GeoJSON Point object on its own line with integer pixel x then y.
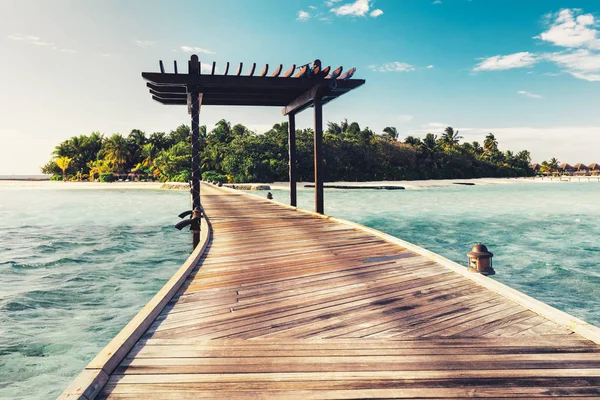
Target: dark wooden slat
{"type": "Point", "coordinates": [302, 71]}
{"type": "Point", "coordinates": [348, 74]}
{"type": "Point", "coordinates": [264, 70]}
{"type": "Point", "coordinates": [226, 68]}
{"type": "Point", "coordinates": [166, 89]}
{"type": "Point", "coordinates": [214, 68]}
{"type": "Point", "coordinates": [289, 72]}
{"type": "Point", "coordinates": [175, 66]}
{"type": "Point", "coordinates": [251, 73]}
{"type": "Point", "coordinates": [239, 70]}
{"type": "Point", "coordinates": [335, 73]}
{"type": "Point", "coordinates": [162, 67]}
{"type": "Point", "coordinates": [277, 71]}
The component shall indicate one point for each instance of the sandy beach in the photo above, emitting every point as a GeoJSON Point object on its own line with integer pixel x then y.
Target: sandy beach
{"type": "Point", "coordinates": [424, 184]}
{"type": "Point", "coordinates": [408, 185]}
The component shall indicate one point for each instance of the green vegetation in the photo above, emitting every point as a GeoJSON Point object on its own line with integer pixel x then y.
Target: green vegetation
{"type": "Point", "coordinates": [236, 154]}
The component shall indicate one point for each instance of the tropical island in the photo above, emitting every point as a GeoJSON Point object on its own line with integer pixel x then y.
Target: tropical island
{"type": "Point", "coordinates": [238, 155]}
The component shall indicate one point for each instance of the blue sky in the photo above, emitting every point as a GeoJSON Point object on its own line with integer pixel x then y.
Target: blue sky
{"type": "Point", "coordinates": [528, 71]}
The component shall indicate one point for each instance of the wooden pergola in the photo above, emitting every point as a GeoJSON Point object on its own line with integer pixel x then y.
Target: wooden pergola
{"type": "Point", "coordinates": [295, 90]}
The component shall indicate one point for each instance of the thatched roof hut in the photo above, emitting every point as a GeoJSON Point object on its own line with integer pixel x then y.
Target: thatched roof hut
{"type": "Point", "coordinates": [566, 167]}
{"type": "Point", "coordinates": [594, 167]}
{"type": "Point", "coordinates": [580, 167]}
{"type": "Point", "coordinates": [535, 167]}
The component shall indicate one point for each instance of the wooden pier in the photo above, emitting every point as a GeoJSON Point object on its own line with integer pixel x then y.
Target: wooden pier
{"type": "Point", "coordinates": [284, 303]}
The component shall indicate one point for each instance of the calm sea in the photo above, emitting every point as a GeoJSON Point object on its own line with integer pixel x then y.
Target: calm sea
{"type": "Point", "coordinates": [77, 264]}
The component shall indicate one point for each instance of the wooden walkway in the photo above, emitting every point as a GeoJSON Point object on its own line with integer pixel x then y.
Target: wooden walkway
{"type": "Point", "coordinates": [284, 304]}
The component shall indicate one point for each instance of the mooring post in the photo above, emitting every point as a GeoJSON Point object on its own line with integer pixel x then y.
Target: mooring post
{"type": "Point", "coordinates": [292, 157]}
{"type": "Point", "coordinates": [319, 203]}
{"type": "Point", "coordinates": [480, 260]}
{"type": "Point", "coordinates": [194, 69]}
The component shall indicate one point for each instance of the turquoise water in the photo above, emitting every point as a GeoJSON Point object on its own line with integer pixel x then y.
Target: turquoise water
{"type": "Point", "coordinates": [75, 267]}
{"type": "Point", "coordinates": [77, 264]}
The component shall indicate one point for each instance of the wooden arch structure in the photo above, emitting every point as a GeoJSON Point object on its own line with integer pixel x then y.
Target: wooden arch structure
{"type": "Point", "coordinates": [294, 89]}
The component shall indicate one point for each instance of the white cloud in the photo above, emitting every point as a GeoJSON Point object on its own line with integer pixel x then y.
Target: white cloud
{"type": "Point", "coordinates": [571, 29]}
{"type": "Point", "coordinates": [144, 43]}
{"type": "Point", "coordinates": [437, 2]}
{"type": "Point", "coordinates": [405, 118]}
{"type": "Point", "coordinates": [435, 125]}
{"type": "Point", "coordinates": [429, 67]}
{"type": "Point", "coordinates": [30, 39]}
{"type": "Point", "coordinates": [358, 9]}
{"type": "Point", "coordinates": [303, 16]}
{"type": "Point", "coordinates": [312, 7]}
{"type": "Point", "coordinates": [35, 40]}
{"type": "Point", "coordinates": [516, 60]}
{"type": "Point", "coordinates": [581, 63]}
{"type": "Point", "coordinates": [190, 49]}
{"type": "Point", "coordinates": [395, 66]}
{"type": "Point", "coordinates": [376, 13]}
{"type": "Point", "coordinates": [530, 95]}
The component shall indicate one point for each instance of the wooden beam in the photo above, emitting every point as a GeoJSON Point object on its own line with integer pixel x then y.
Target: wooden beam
{"type": "Point", "coordinates": [252, 68]}
{"type": "Point", "coordinates": [226, 68]}
{"type": "Point", "coordinates": [162, 67]}
{"type": "Point", "coordinates": [266, 102]}
{"type": "Point", "coordinates": [175, 66]}
{"type": "Point", "coordinates": [214, 68]}
{"type": "Point", "coordinates": [239, 71]}
{"type": "Point", "coordinates": [319, 203]}
{"type": "Point", "coordinates": [167, 89]}
{"type": "Point", "coordinates": [221, 81]}
{"type": "Point", "coordinates": [303, 101]}
{"type": "Point", "coordinates": [292, 158]}
{"type": "Point", "coordinates": [169, 101]}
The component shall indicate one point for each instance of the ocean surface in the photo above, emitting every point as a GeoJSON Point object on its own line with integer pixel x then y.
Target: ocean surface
{"type": "Point", "coordinates": [77, 264]}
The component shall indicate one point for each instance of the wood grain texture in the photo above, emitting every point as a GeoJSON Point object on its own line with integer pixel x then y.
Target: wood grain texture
{"type": "Point", "coordinates": [285, 304]}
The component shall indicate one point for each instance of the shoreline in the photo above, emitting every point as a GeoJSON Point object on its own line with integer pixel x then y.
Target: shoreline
{"type": "Point", "coordinates": [374, 185]}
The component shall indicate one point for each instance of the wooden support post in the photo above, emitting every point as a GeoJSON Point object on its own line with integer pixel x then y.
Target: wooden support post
{"type": "Point", "coordinates": [195, 99]}
{"type": "Point", "coordinates": [318, 105]}
{"type": "Point", "coordinates": [292, 158]}
{"type": "Point", "coordinates": [196, 177]}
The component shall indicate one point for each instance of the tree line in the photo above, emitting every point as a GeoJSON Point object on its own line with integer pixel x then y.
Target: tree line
{"type": "Point", "coordinates": [236, 154]}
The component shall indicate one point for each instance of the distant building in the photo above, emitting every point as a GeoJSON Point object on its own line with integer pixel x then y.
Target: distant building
{"type": "Point", "coordinates": [594, 169]}
{"type": "Point", "coordinates": [580, 169]}
{"type": "Point", "coordinates": [535, 167]}
{"type": "Point", "coordinates": [566, 169]}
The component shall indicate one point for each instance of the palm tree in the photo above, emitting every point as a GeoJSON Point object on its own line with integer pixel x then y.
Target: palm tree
{"type": "Point", "coordinates": [413, 141]}
{"type": "Point", "coordinates": [63, 163]}
{"type": "Point", "coordinates": [490, 144]}
{"type": "Point", "coordinates": [553, 164]}
{"type": "Point", "coordinates": [116, 151]}
{"type": "Point", "coordinates": [524, 155]}
{"type": "Point", "coordinates": [390, 133]}
{"type": "Point", "coordinates": [450, 137]}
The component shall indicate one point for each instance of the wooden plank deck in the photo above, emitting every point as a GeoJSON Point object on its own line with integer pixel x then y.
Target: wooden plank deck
{"type": "Point", "coordinates": [284, 304]}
